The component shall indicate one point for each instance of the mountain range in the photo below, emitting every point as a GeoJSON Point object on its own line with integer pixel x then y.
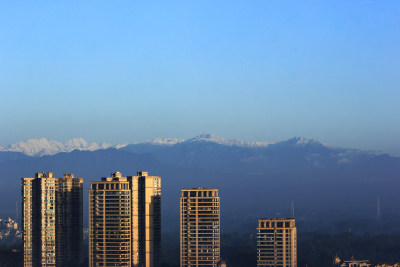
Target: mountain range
{"type": "Point", "coordinates": [255, 179]}
{"type": "Point", "coordinates": [43, 146]}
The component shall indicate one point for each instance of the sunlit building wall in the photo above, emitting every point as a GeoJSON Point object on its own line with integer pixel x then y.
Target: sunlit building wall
{"type": "Point", "coordinates": [146, 219]}
{"type": "Point", "coordinates": [276, 243]}
{"type": "Point", "coordinates": [125, 220]}
{"type": "Point", "coordinates": [52, 220]}
{"type": "Point", "coordinates": [199, 227]}
{"type": "Point", "coordinates": [110, 222]}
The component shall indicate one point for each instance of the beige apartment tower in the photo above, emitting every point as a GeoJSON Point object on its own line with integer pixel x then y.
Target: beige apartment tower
{"type": "Point", "coordinates": [200, 227]}
{"type": "Point", "coordinates": [276, 243]}
{"type": "Point", "coordinates": [125, 221]}
{"type": "Point", "coordinates": [52, 220]}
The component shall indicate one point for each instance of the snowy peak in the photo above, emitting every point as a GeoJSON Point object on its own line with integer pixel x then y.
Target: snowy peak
{"type": "Point", "coordinates": [205, 137]}
{"type": "Point", "coordinates": [42, 146]}
{"type": "Point", "coordinates": [76, 142]}
{"type": "Point", "coordinates": [81, 144]}
{"type": "Point", "coordinates": [167, 141]}
{"type": "Point", "coordinates": [35, 147]}
{"type": "Point", "coordinates": [228, 142]}
{"type": "Point", "coordinates": [301, 141]}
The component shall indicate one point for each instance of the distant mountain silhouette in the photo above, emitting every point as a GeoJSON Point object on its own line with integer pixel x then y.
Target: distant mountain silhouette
{"type": "Point", "coordinates": [211, 152]}
{"type": "Point", "coordinates": [43, 147]}
{"type": "Point", "coordinates": [255, 179]}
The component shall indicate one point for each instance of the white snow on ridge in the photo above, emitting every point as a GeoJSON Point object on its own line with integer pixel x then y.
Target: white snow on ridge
{"type": "Point", "coordinates": [302, 140]}
{"type": "Point", "coordinates": [167, 141]}
{"type": "Point", "coordinates": [121, 146]}
{"type": "Point", "coordinates": [42, 146]}
{"type": "Point", "coordinates": [228, 142]}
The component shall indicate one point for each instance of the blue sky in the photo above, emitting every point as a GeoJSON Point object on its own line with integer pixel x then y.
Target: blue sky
{"type": "Point", "coordinates": [130, 71]}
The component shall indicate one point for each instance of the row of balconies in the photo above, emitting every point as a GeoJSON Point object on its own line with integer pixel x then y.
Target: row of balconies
{"type": "Point", "coordinates": [203, 241]}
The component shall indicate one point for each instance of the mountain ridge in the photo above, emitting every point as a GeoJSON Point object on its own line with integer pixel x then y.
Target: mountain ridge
{"type": "Point", "coordinates": [42, 146]}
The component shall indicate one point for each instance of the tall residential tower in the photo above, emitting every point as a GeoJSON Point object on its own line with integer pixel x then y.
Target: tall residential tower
{"type": "Point", "coordinates": [200, 227]}
{"type": "Point", "coordinates": [276, 243]}
{"type": "Point", "coordinates": [125, 221]}
{"type": "Point", "coordinates": [52, 220]}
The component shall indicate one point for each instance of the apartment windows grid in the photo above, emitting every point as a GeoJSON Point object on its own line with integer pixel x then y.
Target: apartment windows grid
{"type": "Point", "coordinates": [125, 220]}
{"type": "Point", "coordinates": [200, 227]}
{"type": "Point", "coordinates": [52, 220]}
{"type": "Point", "coordinates": [276, 243]}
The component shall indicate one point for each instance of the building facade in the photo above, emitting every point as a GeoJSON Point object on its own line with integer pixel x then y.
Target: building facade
{"type": "Point", "coordinates": [52, 220]}
{"type": "Point", "coordinates": [276, 243]}
{"type": "Point", "coordinates": [146, 219]}
{"type": "Point", "coordinates": [355, 263]}
{"type": "Point", "coordinates": [199, 227]}
{"type": "Point", "coordinates": [125, 221]}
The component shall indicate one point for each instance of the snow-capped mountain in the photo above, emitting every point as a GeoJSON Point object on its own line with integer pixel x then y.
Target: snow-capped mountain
{"type": "Point", "coordinates": [228, 142]}
{"type": "Point", "coordinates": [167, 141]}
{"type": "Point", "coordinates": [43, 146]}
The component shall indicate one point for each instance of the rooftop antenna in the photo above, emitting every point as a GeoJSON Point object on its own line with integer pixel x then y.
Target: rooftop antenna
{"type": "Point", "coordinates": [378, 211]}
{"type": "Point", "coordinates": [292, 209]}
{"type": "Point", "coordinates": [16, 209]}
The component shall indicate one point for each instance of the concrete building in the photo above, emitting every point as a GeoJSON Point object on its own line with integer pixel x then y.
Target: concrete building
{"type": "Point", "coordinates": [69, 220]}
{"type": "Point", "coordinates": [146, 219]}
{"type": "Point", "coordinates": [355, 263]}
{"type": "Point", "coordinates": [276, 242]}
{"type": "Point", "coordinates": [125, 221]}
{"type": "Point", "coordinates": [52, 220]}
{"type": "Point", "coordinates": [8, 224]}
{"type": "Point", "coordinates": [199, 227]}
{"type": "Point", "coordinates": [11, 224]}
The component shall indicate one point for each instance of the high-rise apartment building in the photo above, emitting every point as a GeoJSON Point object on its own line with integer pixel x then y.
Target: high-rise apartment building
{"type": "Point", "coordinates": [200, 227]}
{"type": "Point", "coordinates": [125, 221]}
{"type": "Point", "coordinates": [276, 243]}
{"type": "Point", "coordinates": [69, 220]}
{"type": "Point", "coordinates": [146, 219]}
{"type": "Point", "coordinates": [110, 222]}
{"type": "Point", "coordinates": [52, 220]}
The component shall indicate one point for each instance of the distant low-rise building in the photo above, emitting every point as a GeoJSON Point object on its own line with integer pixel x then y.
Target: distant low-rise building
{"type": "Point", "coordinates": [8, 224]}
{"type": "Point", "coordinates": [360, 263]}
{"type": "Point", "coordinates": [352, 263]}
{"type": "Point", "coordinates": [388, 264]}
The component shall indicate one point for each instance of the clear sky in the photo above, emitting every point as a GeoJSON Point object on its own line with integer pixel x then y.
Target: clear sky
{"type": "Point", "coordinates": [130, 71]}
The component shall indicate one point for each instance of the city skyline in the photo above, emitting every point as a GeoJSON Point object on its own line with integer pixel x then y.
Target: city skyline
{"type": "Point", "coordinates": [254, 71]}
{"type": "Point", "coordinates": [118, 207]}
